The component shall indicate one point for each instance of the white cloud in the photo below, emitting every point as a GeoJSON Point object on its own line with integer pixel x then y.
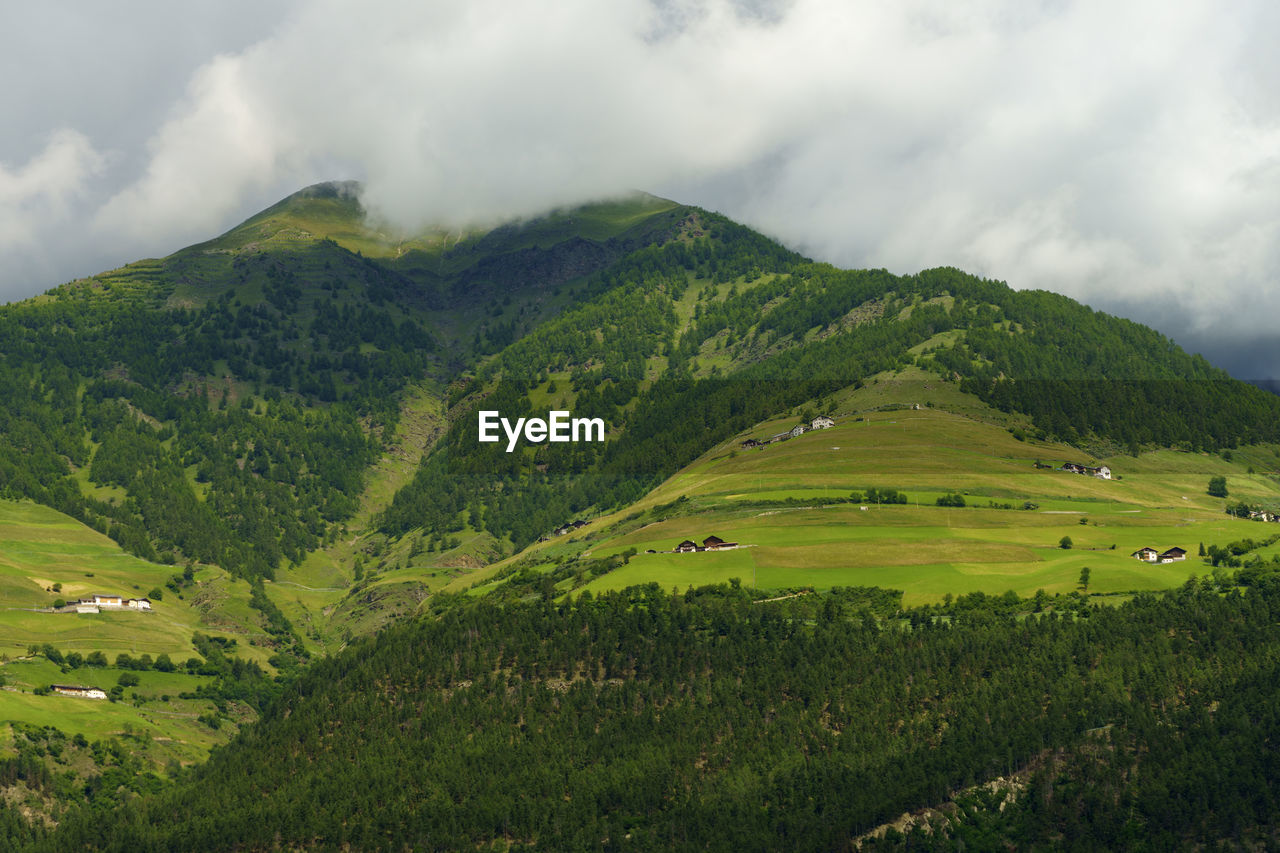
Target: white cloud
{"type": "Point", "coordinates": [1125, 154]}
{"type": "Point", "coordinates": [37, 195]}
{"type": "Point", "coordinates": [37, 205]}
{"type": "Point", "coordinates": [221, 144]}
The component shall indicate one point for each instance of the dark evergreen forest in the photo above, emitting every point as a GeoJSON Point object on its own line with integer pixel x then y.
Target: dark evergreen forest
{"type": "Point", "coordinates": [651, 719]}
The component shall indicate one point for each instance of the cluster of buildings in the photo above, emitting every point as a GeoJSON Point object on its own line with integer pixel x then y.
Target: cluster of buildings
{"type": "Point", "coordinates": [1263, 515]}
{"type": "Point", "coordinates": [1102, 472]}
{"type": "Point", "coordinates": [1151, 555]}
{"type": "Point", "coordinates": [820, 422]}
{"type": "Point", "coordinates": [98, 603]}
{"type": "Point", "coordinates": [711, 543]}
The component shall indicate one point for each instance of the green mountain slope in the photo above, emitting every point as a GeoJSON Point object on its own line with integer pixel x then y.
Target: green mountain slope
{"type": "Point", "coordinates": [226, 404]}
{"type": "Point", "coordinates": [976, 513]}
{"type": "Point", "coordinates": [238, 392]}
{"type": "Point", "coordinates": [239, 403]}
{"type": "Point", "coordinates": [675, 363]}
{"type": "Point", "coordinates": [709, 720]}
{"type": "Point", "coordinates": [286, 418]}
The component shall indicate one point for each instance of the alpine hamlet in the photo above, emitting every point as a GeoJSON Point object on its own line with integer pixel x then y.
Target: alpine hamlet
{"type": "Point", "coordinates": [559, 427]}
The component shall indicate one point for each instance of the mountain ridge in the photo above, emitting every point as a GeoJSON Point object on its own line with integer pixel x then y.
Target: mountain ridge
{"type": "Point", "coordinates": [636, 307]}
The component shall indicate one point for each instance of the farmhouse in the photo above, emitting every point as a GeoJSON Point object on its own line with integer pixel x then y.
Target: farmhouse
{"type": "Point", "coordinates": [711, 543]}
{"type": "Point", "coordinates": [798, 430]}
{"type": "Point", "coordinates": [1102, 473]}
{"type": "Point", "coordinates": [111, 602]}
{"type": "Point", "coordinates": [823, 422]}
{"type": "Point", "coordinates": [569, 528]}
{"type": "Point", "coordinates": [78, 692]}
{"type": "Point", "coordinates": [1151, 555]}
{"type": "Point", "coordinates": [750, 443]}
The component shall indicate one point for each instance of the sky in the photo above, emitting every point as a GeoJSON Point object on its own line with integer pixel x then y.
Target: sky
{"type": "Point", "coordinates": [1125, 153]}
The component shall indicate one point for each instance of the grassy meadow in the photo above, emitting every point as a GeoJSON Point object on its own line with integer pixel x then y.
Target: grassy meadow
{"type": "Point", "coordinates": [41, 548]}
{"type": "Point", "coordinates": [787, 505]}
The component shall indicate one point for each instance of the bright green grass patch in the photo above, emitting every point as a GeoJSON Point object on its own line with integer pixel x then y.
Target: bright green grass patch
{"type": "Point", "coordinates": [163, 730]}
{"type": "Point", "coordinates": [40, 547]}
{"type": "Point", "coordinates": [1157, 499]}
{"type": "Point", "coordinates": [925, 550]}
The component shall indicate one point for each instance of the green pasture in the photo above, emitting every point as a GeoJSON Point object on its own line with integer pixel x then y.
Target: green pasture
{"type": "Point", "coordinates": [40, 547]}
{"type": "Point", "coordinates": [1157, 499]}
{"type": "Point", "coordinates": [167, 729]}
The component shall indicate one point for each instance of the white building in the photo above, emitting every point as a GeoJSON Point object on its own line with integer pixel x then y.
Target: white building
{"type": "Point", "coordinates": [111, 602]}
{"type": "Point", "coordinates": [823, 422]}
{"type": "Point", "coordinates": [79, 692]}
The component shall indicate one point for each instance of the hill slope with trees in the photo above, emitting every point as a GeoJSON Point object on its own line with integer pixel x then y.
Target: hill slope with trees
{"type": "Point", "coordinates": [651, 720]}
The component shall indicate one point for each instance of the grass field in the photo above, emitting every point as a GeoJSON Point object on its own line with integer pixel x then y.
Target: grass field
{"type": "Point", "coordinates": [40, 547]}
{"type": "Point", "coordinates": [951, 444]}
{"type": "Point", "coordinates": [163, 726]}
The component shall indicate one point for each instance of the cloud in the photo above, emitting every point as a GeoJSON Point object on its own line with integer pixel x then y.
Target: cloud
{"type": "Point", "coordinates": [36, 198]}
{"type": "Point", "coordinates": [1125, 154]}
{"type": "Point", "coordinates": [204, 160]}
{"type": "Point", "coordinates": [456, 113]}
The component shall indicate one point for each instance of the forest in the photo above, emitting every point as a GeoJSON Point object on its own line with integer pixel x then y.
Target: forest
{"type": "Point", "coordinates": [652, 719]}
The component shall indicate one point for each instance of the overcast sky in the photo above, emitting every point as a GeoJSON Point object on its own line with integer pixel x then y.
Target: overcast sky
{"type": "Point", "coordinates": [1124, 153]}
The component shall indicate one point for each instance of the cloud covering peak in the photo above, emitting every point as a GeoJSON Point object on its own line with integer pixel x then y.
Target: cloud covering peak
{"type": "Point", "coordinates": [1122, 154]}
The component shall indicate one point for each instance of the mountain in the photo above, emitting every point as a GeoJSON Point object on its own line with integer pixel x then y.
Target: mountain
{"type": "Point", "coordinates": [241, 387]}
{"type": "Point", "coordinates": [240, 402]}
{"type": "Point", "coordinates": [278, 430]}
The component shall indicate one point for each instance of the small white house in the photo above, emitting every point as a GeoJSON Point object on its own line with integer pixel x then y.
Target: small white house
{"type": "Point", "coordinates": [1103, 473]}
{"type": "Point", "coordinates": [111, 602]}
{"type": "Point", "coordinates": [798, 430]}
{"type": "Point", "coordinates": [823, 422]}
{"type": "Point", "coordinates": [79, 692]}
